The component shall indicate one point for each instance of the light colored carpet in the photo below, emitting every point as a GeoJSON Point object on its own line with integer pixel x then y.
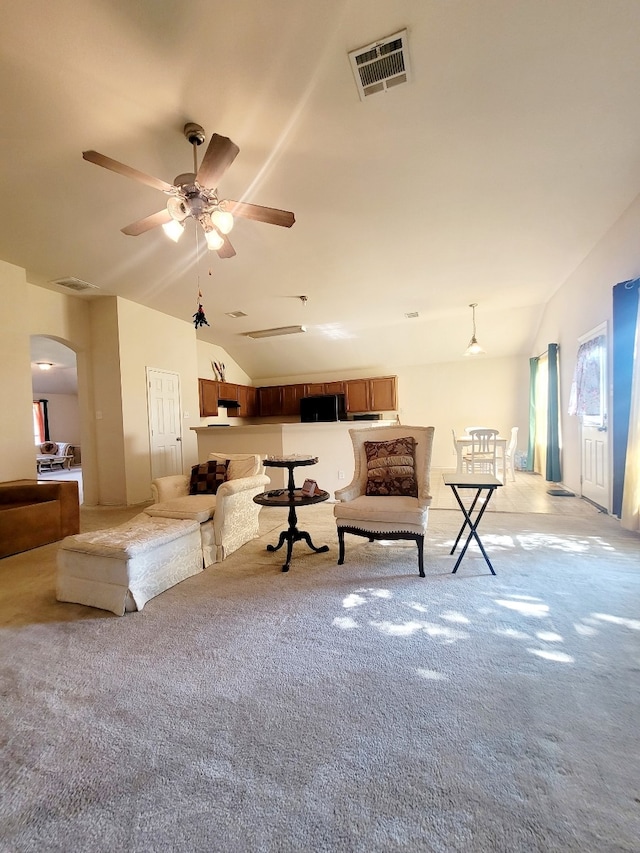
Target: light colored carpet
{"type": "Point", "coordinates": [334, 708]}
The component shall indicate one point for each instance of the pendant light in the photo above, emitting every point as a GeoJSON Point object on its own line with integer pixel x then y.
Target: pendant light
{"type": "Point", "coordinates": [474, 347]}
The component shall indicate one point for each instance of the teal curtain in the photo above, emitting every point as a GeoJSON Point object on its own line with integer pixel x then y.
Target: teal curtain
{"type": "Point", "coordinates": [554, 471]}
{"type": "Point", "coordinates": [533, 372]}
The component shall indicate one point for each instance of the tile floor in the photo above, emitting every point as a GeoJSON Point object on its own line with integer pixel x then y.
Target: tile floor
{"type": "Point", "coordinates": [527, 494]}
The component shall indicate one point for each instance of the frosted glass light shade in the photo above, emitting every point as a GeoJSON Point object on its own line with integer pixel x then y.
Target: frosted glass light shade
{"type": "Point", "coordinates": [214, 240]}
{"type": "Point", "coordinates": [474, 348]}
{"type": "Point", "coordinates": [173, 229]}
{"type": "Point", "coordinates": [223, 220]}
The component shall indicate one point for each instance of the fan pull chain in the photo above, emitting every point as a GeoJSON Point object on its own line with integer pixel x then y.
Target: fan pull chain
{"type": "Point", "coordinates": [199, 318]}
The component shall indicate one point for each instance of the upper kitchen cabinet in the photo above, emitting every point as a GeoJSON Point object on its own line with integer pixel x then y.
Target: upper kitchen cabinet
{"type": "Point", "coordinates": [270, 401]}
{"type": "Point", "coordinates": [378, 394]}
{"type": "Point", "coordinates": [208, 395]}
{"type": "Point", "coordinates": [291, 395]}
{"type": "Point", "coordinates": [247, 407]}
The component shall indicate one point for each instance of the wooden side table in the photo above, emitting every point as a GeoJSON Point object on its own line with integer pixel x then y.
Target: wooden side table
{"type": "Point", "coordinates": [291, 498]}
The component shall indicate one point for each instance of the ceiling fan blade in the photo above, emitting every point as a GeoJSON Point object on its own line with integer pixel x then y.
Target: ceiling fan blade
{"type": "Point", "coordinates": [271, 215]}
{"type": "Point", "coordinates": [127, 171]}
{"type": "Point", "coordinates": [227, 250]}
{"type": "Point", "coordinates": [146, 224]}
{"type": "Point", "coordinates": [220, 154]}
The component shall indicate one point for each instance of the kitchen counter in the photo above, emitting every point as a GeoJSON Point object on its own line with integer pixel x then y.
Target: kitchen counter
{"type": "Point", "coordinates": [330, 442]}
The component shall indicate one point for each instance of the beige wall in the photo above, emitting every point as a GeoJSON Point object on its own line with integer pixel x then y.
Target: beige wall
{"type": "Point", "coordinates": [64, 417]}
{"type": "Point", "coordinates": [16, 419]}
{"type": "Point", "coordinates": [151, 339]}
{"type": "Point", "coordinates": [107, 413]}
{"type": "Point", "coordinates": [483, 391]}
{"type": "Point", "coordinates": [581, 304]}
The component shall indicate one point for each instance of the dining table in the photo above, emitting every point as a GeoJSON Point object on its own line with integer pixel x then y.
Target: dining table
{"type": "Point", "coordinates": [464, 441]}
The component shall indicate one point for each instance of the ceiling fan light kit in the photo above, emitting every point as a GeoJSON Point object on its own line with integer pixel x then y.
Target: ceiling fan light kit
{"type": "Point", "coordinates": [195, 195]}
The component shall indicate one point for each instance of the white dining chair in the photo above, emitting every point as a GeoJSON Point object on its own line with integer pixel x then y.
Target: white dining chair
{"type": "Point", "coordinates": [510, 455]}
{"type": "Point", "coordinates": [481, 455]}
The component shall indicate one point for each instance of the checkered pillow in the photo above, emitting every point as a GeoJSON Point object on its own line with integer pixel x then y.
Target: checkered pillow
{"type": "Point", "coordinates": [207, 477]}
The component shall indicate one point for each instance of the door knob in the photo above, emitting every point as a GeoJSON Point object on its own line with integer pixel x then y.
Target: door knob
{"type": "Point", "coordinates": [178, 438]}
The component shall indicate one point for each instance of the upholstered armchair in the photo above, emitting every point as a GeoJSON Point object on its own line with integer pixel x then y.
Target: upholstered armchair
{"type": "Point", "coordinates": [389, 495]}
{"type": "Point", "coordinates": [229, 518]}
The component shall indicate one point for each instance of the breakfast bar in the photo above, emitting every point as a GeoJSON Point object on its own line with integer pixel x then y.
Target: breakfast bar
{"type": "Point", "coordinates": [330, 442]}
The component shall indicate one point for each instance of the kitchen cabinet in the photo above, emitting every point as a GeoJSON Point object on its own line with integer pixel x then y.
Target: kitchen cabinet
{"type": "Point", "coordinates": [247, 402]}
{"type": "Point", "coordinates": [270, 401]}
{"type": "Point", "coordinates": [208, 395]}
{"type": "Point", "coordinates": [291, 395]}
{"type": "Point", "coordinates": [383, 394]}
{"type": "Point", "coordinates": [227, 391]}
{"type": "Point", "coordinates": [378, 394]}
{"type": "Point", "coordinates": [356, 395]}
{"type": "Point", "coordinates": [314, 388]}
{"type": "Point", "coordinates": [375, 394]}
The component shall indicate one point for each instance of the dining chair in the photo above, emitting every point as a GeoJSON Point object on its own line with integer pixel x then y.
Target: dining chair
{"type": "Point", "coordinates": [456, 450]}
{"type": "Point", "coordinates": [510, 455]}
{"type": "Point", "coordinates": [481, 456]}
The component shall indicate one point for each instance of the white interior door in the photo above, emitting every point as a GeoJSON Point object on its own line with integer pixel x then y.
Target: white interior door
{"type": "Point", "coordinates": [165, 422]}
{"type": "Point", "coordinates": [594, 435]}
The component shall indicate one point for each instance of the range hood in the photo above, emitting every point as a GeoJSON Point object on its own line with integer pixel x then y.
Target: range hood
{"type": "Point", "coordinates": [229, 404]}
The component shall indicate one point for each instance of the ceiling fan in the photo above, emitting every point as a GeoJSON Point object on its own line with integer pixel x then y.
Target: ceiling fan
{"type": "Point", "coordinates": [194, 194]}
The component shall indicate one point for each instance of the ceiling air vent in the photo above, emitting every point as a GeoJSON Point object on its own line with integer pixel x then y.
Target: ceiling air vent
{"type": "Point", "coordinates": [76, 284]}
{"type": "Point", "coordinates": [381, 65]}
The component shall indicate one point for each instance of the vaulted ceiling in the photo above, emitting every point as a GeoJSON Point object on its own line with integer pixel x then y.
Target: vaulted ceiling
{"type": "Point", "coordinates": [487, 177]}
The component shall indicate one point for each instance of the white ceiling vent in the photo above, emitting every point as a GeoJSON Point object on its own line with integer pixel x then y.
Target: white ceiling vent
{"type": "Point", "coordinates": [76, 284]}
{"type": "Point", "coordinates": [381, 65]}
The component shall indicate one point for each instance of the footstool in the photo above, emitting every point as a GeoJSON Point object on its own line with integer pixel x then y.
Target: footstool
{"type": "Point", "coordinates": [121, 568]}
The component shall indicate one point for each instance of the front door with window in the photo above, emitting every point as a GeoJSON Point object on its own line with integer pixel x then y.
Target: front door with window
{"type": "Point", "coordinates": [593, 414]}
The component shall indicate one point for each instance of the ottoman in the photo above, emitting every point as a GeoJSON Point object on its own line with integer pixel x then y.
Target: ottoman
{"type": "Point", "coordinates": [121, 568]}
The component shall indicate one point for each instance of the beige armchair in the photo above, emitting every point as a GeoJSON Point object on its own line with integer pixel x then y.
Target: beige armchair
{"type": "Point", "coordinates": [383, 514]}
{"type": "Point", "coordinates": [229, 518]}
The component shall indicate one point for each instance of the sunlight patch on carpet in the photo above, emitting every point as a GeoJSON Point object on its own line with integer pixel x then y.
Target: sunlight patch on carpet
{"type": "Point", "coordinates": [634, 624]}
{"type": "Point", "coordinates": [345, 622]}
{"type": "Point", "coordinates": [525, 608]}
{"type": "Point", "coordinates": [453, 616]}
{"type": "Point", "coordinates": [558, 657]}
{"type": "Point", "coordinates": [585, 630]}
{"type": "Point", "coordinates": [432, 675]}
{"type": "Point", "coordinates": [512, 633]}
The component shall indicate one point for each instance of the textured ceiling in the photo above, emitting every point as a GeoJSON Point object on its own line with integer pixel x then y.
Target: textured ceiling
{"type": "Point", "coordinates": [488, 178]}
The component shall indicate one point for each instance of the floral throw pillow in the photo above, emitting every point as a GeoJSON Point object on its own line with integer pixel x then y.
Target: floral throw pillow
{"type": "Point", "coordinates": [207, 477]}
{"type": "Point", "coordinates": [391, 467]}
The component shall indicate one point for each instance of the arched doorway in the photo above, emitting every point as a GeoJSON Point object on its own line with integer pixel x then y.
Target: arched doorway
{"type": "Point", "coordinates": [57, 384]}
